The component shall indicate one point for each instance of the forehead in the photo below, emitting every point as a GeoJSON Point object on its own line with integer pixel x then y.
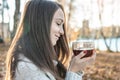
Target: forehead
{"type": "Point", "coordinates": [59, 14]}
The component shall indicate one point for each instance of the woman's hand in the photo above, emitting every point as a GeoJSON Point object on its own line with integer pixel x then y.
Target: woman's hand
{"type": "Point", "coordinates": [78, 64]}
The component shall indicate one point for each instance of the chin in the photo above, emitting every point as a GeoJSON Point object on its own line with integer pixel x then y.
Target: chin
{"type": "Point", "coordinates": [54, 43]}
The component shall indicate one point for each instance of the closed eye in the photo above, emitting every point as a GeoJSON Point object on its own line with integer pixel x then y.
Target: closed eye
{"type": "Point", "coordinates": [58, 24]}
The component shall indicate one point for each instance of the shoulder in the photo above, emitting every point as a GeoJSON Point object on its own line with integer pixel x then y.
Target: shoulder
{"type": "Point", "coordinates": [26, 64]}
{"type": "Point", "coordinates": [26, 70]}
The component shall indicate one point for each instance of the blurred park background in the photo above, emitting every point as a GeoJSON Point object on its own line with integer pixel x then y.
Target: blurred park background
{"type": "Point", "coordinates": [97, 20]}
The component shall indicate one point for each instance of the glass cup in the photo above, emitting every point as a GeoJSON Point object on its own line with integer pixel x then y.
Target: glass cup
{"type": "Point", "coordinates": [86, 46]}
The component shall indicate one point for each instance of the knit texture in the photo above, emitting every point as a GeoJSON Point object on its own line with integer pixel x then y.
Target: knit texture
{"type": "Point", "coordinates": [26, 70]}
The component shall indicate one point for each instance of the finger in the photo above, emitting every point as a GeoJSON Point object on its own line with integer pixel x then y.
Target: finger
{"type": "Point", "coordinates": [94, 56]}
{"type": "Point", "coordinates": [92, 59]}
{"type": "Point", "coordinates": [73, 56]}
{"type": "Point", "coordinates": [94, 51]}
{"type": "Point", "coordinates": [81, 54]}
{"type": "Point", "coordinates": [87, 59]}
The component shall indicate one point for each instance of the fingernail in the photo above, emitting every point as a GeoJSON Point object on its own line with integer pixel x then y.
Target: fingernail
{"type": "Point", "coordinates": [85, 52]}
{"type": "Point", "coordinates": [94, 51]}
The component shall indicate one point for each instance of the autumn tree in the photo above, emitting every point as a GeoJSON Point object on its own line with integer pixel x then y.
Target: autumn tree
{"type": "Point", "coordinates": [16, 16]}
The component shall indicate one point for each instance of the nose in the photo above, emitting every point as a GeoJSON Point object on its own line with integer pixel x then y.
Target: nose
{"type": "Point", "coordinates": [61, 30]}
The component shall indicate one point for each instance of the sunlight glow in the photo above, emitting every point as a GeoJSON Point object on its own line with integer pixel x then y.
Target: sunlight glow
{"type": "Point", "coordinates": [83, 10]}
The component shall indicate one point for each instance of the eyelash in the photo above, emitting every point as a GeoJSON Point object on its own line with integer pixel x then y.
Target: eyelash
{"type": "Point", "coordinates": [58, 24]}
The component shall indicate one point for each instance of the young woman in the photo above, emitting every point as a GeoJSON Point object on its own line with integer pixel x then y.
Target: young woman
{"type": "Point", "coordinates": [39, 50]}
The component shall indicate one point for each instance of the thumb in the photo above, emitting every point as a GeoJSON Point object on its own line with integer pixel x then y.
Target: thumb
{"type": "Point", "coordinates": [81, 54]}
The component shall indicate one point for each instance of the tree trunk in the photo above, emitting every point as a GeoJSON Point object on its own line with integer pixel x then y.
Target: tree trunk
{"type": "Point", "coordinates": [104, 38]}
{"type": "Point", "coordinates": [16, 16]}
{"type": "Point", "coordinates": [101, 6]}
{"type": "Point", "coordinates": [2, 27]}
{"type": "Point", "coordinates": [117, 39]}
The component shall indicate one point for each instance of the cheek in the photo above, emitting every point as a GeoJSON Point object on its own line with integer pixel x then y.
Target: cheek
{"type": "Point", "coordinates": [52, 33]}
{"type": "Point", "coordinates": [54, 28]}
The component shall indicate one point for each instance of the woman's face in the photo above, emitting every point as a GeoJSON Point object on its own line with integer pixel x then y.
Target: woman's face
{"type": "Point", "coordinates": [57, 26]}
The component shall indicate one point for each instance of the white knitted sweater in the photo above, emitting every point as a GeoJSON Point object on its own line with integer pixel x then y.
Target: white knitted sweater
{"type": "Point", "coordinates": [26, 70]}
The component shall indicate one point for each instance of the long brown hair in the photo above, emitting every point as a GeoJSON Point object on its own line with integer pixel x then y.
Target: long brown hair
{"type": "Point", "coordinates": [32, 39]}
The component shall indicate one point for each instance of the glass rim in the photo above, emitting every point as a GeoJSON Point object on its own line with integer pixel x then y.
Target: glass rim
{"type": "Point", "coordinates": [83, 41]}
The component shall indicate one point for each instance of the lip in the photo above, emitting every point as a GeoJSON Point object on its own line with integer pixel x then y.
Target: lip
{"type": "Point", "coordinates": [57, 38]}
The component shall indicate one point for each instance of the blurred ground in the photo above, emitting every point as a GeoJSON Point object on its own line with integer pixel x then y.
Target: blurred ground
{"type": "Point", "coordinates": [3, 50]}
{"type": "Point", "coordinates": [107, 66]}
